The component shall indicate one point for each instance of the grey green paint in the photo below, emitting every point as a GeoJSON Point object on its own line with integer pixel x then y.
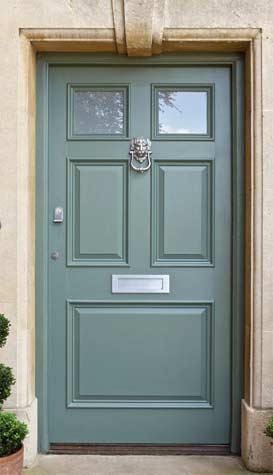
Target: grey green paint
{"type": "Point", "coordinates": [190, 281]}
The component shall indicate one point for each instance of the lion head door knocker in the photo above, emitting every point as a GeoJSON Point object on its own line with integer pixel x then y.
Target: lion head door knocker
{"type": "Point", "coordinates": [140, 151]}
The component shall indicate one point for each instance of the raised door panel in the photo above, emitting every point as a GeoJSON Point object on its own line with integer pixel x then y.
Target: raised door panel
{"type": "Point", "coordinates": [182, 226]}
{"type": "Point", "coordinates": [97, 213]}
{"type": "Point", "coordinates": [140, 355]}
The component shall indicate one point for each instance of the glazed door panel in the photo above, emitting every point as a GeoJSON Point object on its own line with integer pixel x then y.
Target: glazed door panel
{"type": "Point", "coordinates": [140, 365]}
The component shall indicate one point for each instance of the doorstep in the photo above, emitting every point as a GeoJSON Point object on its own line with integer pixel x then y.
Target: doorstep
{"type": "Point", "coordinates": [137, 465]}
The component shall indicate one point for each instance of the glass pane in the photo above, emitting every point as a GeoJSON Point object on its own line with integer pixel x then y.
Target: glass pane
{"type": "Point", "coordinates": [182, 112]}
{"type": "Point", "coordinates": [98, 112]}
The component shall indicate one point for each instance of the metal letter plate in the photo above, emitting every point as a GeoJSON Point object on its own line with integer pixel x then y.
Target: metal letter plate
{"type": "Point", "coordinates": [140, 284]}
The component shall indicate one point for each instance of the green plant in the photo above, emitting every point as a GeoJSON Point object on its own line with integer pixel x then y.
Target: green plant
{"type": "Point", "coordinates": [6, 381]}
{"type": "Point", "coordinates": [12, 433]}
{"type": "Point", "coordinates": [269, 429]}
{"type": "Point", "coordinates": [4, 329]}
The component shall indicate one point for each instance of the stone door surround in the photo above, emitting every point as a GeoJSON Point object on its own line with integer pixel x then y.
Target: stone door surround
{"type": "Point", "coordinates": [139, 31]}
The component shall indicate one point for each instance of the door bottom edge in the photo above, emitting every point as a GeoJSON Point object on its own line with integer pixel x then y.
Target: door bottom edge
{"type": "Point", "coordinates": [139, 449]}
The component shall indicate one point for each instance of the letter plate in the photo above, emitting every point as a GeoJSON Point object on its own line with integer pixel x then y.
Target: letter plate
{"type": "Point", "coordinates": [140, 284]}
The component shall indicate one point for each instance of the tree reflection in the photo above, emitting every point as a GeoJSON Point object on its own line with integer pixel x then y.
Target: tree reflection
{"type": "Point", "coordinates": [166, 99]}
{"type": "Point", "coordinates": [98, 112]}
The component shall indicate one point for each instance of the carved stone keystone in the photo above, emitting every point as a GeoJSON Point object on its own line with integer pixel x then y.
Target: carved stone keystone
{"type": "Point", "coordinates": [139, 26]}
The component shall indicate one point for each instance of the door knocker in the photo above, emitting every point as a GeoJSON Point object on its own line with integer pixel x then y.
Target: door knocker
{"type": "Point", "coordinates": [140, 151]}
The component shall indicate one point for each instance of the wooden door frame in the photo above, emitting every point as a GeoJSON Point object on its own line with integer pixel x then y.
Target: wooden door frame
{"type": "Point", "coordinates": [236, 64]}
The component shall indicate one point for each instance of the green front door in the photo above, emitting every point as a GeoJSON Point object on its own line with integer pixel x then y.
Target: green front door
{"type": "Point", "coordinates": [139, 332]}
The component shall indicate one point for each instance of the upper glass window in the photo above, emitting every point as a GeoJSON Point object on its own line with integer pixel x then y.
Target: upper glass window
{"type": "Point", "coordinates": [98, 111]}
{"type": "Point", "coordinates": [183, 112]}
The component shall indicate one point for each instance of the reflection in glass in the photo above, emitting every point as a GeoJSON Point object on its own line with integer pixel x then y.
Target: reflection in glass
{"type": "Point", "coordinates": [98, 112]}
{"type": "Point", "coordinates": [182, 112]}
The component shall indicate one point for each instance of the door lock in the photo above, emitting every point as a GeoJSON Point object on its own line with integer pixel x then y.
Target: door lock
{"type": "Point", "coordinates": [58, 215]}
{"type": "Point", "coordinates": [55, 255]}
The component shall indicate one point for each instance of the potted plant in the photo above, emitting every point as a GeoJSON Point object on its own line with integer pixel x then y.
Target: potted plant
{"type": "Point", "coordinates": [269, 433]}
{"type": "Point", "coordinates": [269, 429]}
{"type": "Point", "coordinates": [12, 431]}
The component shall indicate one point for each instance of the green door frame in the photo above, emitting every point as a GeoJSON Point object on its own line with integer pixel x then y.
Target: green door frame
{"type": "Point", "coordinates": [236, 64]}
